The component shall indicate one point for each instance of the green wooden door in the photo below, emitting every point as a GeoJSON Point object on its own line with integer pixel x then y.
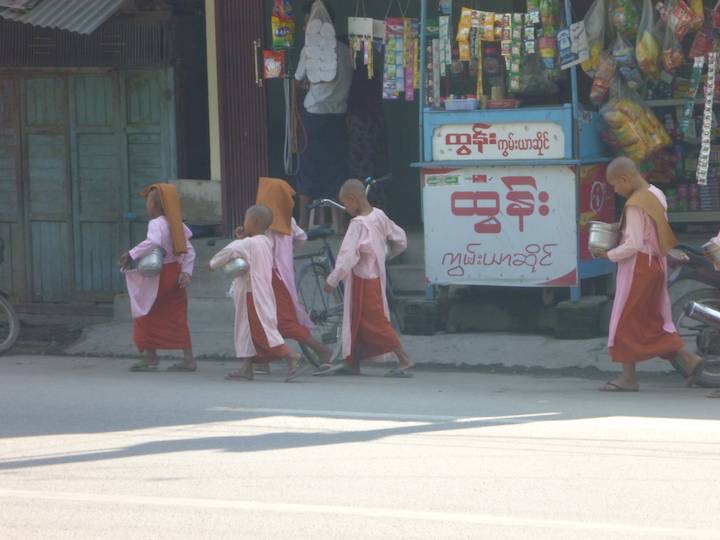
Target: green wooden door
{"type": "Point", "coordinates": [149, 139]}
{"type": "Point", "coordinates": [12, 270]}
{"type": "Point", "coordinates": [98, 184]}
{"type": "Point", "coordinates": [47, 179]}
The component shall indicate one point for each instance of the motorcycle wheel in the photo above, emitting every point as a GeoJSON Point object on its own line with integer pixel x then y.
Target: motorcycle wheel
{"type": "Point", "coordinates": [690, 331]}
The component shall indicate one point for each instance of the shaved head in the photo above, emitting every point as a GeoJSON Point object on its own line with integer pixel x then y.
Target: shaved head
{"type": "Point", "coordinates": [261, 215]}
{"type": "Point", "coordinates": [622, 166]}
{"type": "Point", "coordinates": [352, 188]}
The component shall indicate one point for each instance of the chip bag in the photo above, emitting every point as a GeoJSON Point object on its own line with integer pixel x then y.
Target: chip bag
{"type": "Point", "coordinates": [672, 53]}
{"type": "Point", "coordinates": [647, 50]}
{"type": "Point", "coordinates": [625, 17]}
{"type": "Point", "coordinates": [627, 66]}
{"type": "Point", "coordinates": [604, 78]}
{"type": "Point", "coordinates": [678, 16]}
{"type": "Point", "coordinates": [283, 25]}
{"type": "Point", "coordinates": [595, 31]}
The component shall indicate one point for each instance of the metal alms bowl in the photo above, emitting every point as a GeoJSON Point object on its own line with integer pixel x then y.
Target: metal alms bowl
{"type": "Point", "coordinates": [712, 252]}
{"type": "Point", "coordinates": [236, 267]}
{"type": "Point", "coordinates": [604, 236]}
{"type": "Point", "coordinates": [151, 264]}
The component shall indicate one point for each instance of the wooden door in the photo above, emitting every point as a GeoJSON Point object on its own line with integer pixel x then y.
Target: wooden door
{"type": "Point", "coordinates": [97, 185]}
{"type": "Point", "coordinates": [12, 269]}
{"type": "Point", "coordinates": [47, 186]}
{"type": "Point", "coordinates": [243, 104]}
{"type": "Point", "coordinates": [149, 139]}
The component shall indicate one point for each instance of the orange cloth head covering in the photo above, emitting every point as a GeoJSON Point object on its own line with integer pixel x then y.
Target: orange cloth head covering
{"type": "Point", "coordinates": [277, 195]}
{"type": "Point", "coordinates": [170, 202]}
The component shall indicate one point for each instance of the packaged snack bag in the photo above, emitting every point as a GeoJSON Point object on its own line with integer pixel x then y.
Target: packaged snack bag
{"type": "Point", "coordinates": [625, 17]}
{"type": "Point", "coordinates": [283, 25]}
{"type": "Point", "coordinates": [627, 66]}
{"type": "Point", "coordinates": [595, 31]}
{"type": "Point", "coordinates": [647, 50]}
{"type": "Point", "coordinates": [604, 78]}
{"type": "Point", "coordinates": [672, 53]}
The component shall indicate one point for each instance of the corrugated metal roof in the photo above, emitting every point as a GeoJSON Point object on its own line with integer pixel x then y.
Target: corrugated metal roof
{"type": "Point", "coordinates": [81, 16]}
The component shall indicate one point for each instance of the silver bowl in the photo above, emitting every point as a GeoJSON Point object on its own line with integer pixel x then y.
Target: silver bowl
{"type": "Point", "coordinates": [712, 252]}
{"type": "Point", "coordinates": [605, 236]}
{"type": "Point", "coordinates": [236, 267]}
{"type": "Point", "coordinates": [151, 264]}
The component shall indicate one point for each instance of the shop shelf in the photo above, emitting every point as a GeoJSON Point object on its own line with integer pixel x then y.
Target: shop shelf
{"type": "Point", "coordinates": [694, 217]}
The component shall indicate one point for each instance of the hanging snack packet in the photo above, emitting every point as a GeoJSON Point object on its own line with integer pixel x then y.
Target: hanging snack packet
{"type": "Point", "coordinates": [625, 59]}
{"type": "Point", "coordinates": [625, 17]}
{"type": "Point", "coordinates": [273, 64]}
{"type": "Point", "coordinates": [678, 16]}
{"type": "Point", "coordinates": [550, 16]}
{"type": "Point", "coordinates": [604, 78]}
{"type": "Point", "coordinates": [699, 11]}
{"type": "Point", "coordinates": [647, 50]}
{"type": "Point", "coordinates": [702, 43]}
{"type": "Point", "coordinates": [672, 53]}
{"type": "Point", "coordinates": [283, 25]}
{"type": "Point", "coordinates": [595, 31]}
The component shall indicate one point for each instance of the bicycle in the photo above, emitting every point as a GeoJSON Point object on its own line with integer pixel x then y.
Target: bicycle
{"type": "Point", "coordinates": [9, 321]}
{"type": "Point", "coordinates": [326, 309]}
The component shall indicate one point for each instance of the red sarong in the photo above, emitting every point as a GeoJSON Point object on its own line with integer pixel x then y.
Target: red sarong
{"type": "Point", "coordinates": [288, 324]}
{"type": "Point", "coordinates": [165, 326]}
{"type": "Point", "coordinates": [640, 334]}
{"type": "Point", "coordinates": [372, 333]}
{"type": "Point", "coordinates": [265, 353]}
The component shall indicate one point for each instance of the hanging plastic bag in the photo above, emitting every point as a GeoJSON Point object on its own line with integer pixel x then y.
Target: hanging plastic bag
{"type": "Point", "coordinates": [647, 50]}
{"type": "Point", "coordinates": [698, 10]}
{"type": "Point", "coordinates": [672, 52]}
{"type": "Point", "coordinates": [595, 31]}
{"type": "Point", "coordinates": [627, 66]}
{"type": "Point", "coordinates": [604, 78]}
{"type": "Point", "coordinates": [702, 44]}
{"type": "Point", "coordinates": [283, 25]}
{"type": "Point", "coordinates": [625, 17]}
{"type": "Point", "coordinates": [633, 129]}
{"type": "Point", "coordinates": [678, 16]}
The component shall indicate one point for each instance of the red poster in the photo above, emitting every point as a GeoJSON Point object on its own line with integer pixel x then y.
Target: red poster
{"type": "Point", "coordinates": [597, 202]}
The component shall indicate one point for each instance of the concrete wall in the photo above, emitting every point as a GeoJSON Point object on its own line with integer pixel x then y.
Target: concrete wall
{"type": "Point", "coordinates": [201, 201]}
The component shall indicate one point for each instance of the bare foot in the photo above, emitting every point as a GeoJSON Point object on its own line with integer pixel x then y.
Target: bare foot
{"type": "Point", "coordinates": [296, 366]}
{"type": "Point", "coordinates": [244, 373]}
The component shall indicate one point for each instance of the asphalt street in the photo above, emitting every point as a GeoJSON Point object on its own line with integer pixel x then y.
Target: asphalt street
{"type": "Point", "coordinates": [89, 450]}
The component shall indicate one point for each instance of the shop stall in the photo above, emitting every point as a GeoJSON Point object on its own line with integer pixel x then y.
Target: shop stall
{"type": "Point", "coordinates": [509, 187]}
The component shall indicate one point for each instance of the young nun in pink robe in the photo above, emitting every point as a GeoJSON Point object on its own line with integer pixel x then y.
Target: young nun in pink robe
{"type": "Point", "coordinates": [641, 325]}
{"type": "Point", "coordinates": [257, 338]}
{"type": "Point", "coordinates": [360, 265]}
{"type": "Point", "coordinates": [159, 304]}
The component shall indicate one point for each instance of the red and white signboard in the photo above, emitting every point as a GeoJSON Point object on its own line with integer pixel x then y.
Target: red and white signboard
{"type": "Point", "coordinates": [505, 226]}
{"type": "Point", "coordinates": [534, 140]}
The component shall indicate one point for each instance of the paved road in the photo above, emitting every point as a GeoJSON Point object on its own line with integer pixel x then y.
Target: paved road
{"type": "Point", "coordinates": [88, 451]}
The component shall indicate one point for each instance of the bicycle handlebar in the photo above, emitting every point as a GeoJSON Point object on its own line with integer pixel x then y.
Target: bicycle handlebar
{"type": "Point", "coordinates": [369, 182]}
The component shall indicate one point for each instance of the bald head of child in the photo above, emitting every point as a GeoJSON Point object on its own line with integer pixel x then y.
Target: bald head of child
{"type": "Point", "coordinates": [258, 219]}
{"type": "Point", "coordinates": [624, 177]}
{"type": "Point", "coordinates": [353, 198]}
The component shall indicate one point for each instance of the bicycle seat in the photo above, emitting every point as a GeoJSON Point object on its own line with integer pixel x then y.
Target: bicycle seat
{"type": "Point", "coordinates": [319, 233]}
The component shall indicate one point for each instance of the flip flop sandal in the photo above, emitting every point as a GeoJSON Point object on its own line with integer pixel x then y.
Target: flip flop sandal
{"type": "Point", "coordinates": [181, 367]}
{"type": "Point", "coordinates": [327, 369]}
{"type": "Point", "coordinates": [144, 367]}
{"type": "Point", "coordinates": [297, 371]}
{"type": "Point", "coordinates": [695, 373]}
{"type": "Point", "coordinates": [398, 373]}
{"type": "Point", "coordinates": [614, 387]}
{"type": "Point", "coordinates": [239, 376]}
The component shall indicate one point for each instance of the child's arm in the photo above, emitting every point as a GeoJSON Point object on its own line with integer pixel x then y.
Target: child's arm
{"type": "Point", "coordinates": [397, 239]}
{"type": "Point", "coordinates": [299, 236]}
{"type": "Point", "coordinates": [188, 259]}
{"type": "Point", "coordinates": [348, 256]}
{"type": "Point", "coordinates": [226, 254]}
{"type": "Point", "coordinates": [153, 240]}
{"type": "Point", "coordinates": [633, 236]}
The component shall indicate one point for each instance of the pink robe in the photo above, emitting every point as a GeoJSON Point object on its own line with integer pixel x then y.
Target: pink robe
{"type": "Point", "coordinates": [258, 252]}
{"type": "Point", "coordinates": [143, 290]}
{"type": "Point", "coordinates": [284, 253]}
{"type": "Point", "coordinates": [363, 254]}
{"type": "Point", "coordinates": [639, 235]}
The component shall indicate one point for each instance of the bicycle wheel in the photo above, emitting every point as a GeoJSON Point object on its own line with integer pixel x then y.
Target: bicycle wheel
{"type": "Point", "coordinates": [9, 325]}
{"type": "Point", "coordinates": [325, 310]}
